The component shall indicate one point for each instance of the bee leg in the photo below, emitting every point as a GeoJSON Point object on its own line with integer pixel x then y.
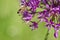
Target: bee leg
{"type": "Point", "coordinates": [18, 11]}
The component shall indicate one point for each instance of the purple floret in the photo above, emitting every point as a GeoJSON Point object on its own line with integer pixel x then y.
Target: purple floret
{"type": "Point", "coordinates": [27, 16]}
{"type": "Point", "coordinates": [34, 25]}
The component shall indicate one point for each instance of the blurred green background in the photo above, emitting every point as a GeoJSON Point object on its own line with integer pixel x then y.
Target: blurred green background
{"type": "Point", "coordinates": [13, 28]}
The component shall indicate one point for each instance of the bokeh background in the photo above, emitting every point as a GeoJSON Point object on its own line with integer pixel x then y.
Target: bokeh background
{"type": "Point", "coordinates": [13, 28]}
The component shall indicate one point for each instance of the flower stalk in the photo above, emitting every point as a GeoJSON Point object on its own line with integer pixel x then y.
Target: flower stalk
{"type": "Point", "coordinates": [46, 36]}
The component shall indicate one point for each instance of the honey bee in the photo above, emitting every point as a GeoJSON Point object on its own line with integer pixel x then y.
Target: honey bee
{"type": "Point", "coordinates": [25, 8]}
{"type": "Point", "coordinates": [22, 9]}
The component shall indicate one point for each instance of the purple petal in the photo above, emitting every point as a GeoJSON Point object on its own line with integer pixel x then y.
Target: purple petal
{"type": "Point", "coordinates": [27, 16]}
{"type": "Point", "coordinates": [34, 25]}
{"type": "Point", "coordinates": [56, 34]}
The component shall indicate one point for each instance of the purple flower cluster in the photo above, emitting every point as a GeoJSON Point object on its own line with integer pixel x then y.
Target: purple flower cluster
{"type": "Point", "coordinates": [50, 15]}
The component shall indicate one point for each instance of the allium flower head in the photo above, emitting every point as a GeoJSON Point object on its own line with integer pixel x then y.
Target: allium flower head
{"type": "Point", "coordinates": [50, 15]}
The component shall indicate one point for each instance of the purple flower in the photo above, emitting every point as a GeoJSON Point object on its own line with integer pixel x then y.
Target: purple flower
{"type": "Point", "coordinates": [45, 1]}
{"type": "Point", "coordinates": [49, 24]}
{"type": "Point", "coordinates": [43, 16]}
{"type": "Point", "coordinates": [56, 28]}
{"type": "Point", "coordinates": [24, 2]}
{"type": "Point", "coordinates": [34, 25]}
{"type": "Point", "coordinates": [56, 34]}
{"type": "Point", "coordinates": [50, 15]}
{"type": "Point", "coordinates": [27, 16]}
{"type": "Point", "coordinates": [33, 4]}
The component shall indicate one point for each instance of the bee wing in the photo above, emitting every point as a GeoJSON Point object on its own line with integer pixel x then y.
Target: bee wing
{"type": "Point", "coordinates": [19, 1]}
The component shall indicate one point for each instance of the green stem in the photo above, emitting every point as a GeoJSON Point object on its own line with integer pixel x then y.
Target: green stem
{"type": "Point", "coordinates": [46, 36]}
